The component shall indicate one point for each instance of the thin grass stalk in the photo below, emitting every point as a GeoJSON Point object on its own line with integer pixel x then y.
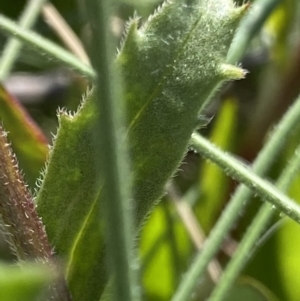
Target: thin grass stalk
{"type": "Point", "coordinates": [113, 160]}
{"type": "Point", "coordinates": [261, 166]}
{"type": "Point", "coordinates": [13, 46]}
{"type": "Point", "coordinates": [259, 223]}
{"type": "Point", "coordinates": [43, 45]}
{"type": "Point", "coordinates": [239, 172]}
{"type": "Point", "coordinates": [249, 27]}
{"type": "Point", "coordinates": [63, 30]}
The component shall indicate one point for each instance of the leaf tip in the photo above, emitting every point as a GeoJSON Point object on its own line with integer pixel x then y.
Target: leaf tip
{"type": "Point", "coordinates": [230, 72]}
{"type": "Point", "coordinates": [240, 11]}
{"type": "Point", "coordinates": [130, 35]}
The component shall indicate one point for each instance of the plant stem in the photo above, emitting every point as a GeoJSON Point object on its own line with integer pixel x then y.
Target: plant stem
{"type": "Point", "coordinates": [39, 43]}
{"type": "Point", "coordinates": [241, 256]}
{"type": "Point", "coordinates": [64, 32]}
{"type": "Point", "coordinates": [113, 159]}
{"type": "Point", "coordinates": [261, 165]}
{"type": "Point", "coordinates": [245, 175]}
{"type": "Point", "coordinates": [250, 25]}
{"type": "Point", "coordinates": [19, 218]}
{"type": "Point", "coordinates": [17, 210]}
{"type": "Point", "coordinates": [13, 46]}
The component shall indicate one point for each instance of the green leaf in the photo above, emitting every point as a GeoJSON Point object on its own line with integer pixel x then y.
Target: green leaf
{"type": "Point", "coordinates": [67, 203]}
{"type": "Point", "coordinates": [170, 67]}
{"type": "Point", "coordinates": [24, 283]}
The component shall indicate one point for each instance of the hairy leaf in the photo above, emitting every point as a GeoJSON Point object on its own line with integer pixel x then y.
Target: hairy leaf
{"type": "Point", "coordinates": [170, 67]}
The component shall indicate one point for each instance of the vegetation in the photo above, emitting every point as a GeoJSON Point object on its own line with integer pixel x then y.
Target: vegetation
{"type": "Point", "coordinates": [122, 205]}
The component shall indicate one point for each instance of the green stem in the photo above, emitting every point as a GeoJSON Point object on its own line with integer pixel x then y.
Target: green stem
{"type": "Point", "coordinates": [245, 175]}
{"type": "Point", "coordinates": [13, 46]}
{"type": "Point", "coordinates": [259, 223]}
{"type": "Point", "coordinates": [250, 25]}
{"type": "Point", "coordinates": [113, 160]}
{"type": "Point", "coordinates": [41, 44]}
{"type": "Point", "coordinates": [261, 165]}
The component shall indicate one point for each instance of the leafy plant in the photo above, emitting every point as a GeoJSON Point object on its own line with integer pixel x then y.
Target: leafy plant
{"type": "Point", "coordinates": [111, 160]}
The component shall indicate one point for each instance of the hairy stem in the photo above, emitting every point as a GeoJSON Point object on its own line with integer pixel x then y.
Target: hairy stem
{"type": "Point", "coordinates": [245, 175]}
{"type": "Point", "coordinates": [25, 229]}
{"type": "Point", "coordinates": [261, 165]}
{"type": "Point", "coordinates": [241, 256]}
